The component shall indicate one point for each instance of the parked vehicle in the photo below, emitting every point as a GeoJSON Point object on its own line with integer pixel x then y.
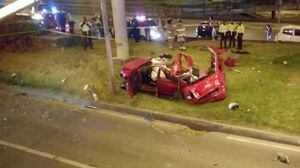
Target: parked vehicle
{"type": "Point", "coordinates": [156, 33]}
{"type": "Point", "coordinates": [206, 87]}
{"type": "Point", "coordinates": [289, 34]}
{"type": "Point", "coordinates": [204, 30]}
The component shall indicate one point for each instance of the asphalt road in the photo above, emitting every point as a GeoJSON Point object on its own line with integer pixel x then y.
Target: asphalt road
{"type": "Point", "coordinates": [39, 133]}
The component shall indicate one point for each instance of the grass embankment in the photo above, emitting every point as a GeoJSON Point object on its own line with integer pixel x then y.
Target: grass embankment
{"type": "Point", "coordinates": [267, 90]}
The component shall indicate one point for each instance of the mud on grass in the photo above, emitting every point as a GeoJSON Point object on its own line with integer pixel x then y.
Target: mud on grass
{"type": "Point", "coordinates": [266, 89]}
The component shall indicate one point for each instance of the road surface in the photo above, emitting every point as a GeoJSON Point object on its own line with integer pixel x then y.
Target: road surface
{"type": "Point", "coordinates": [40, 133]}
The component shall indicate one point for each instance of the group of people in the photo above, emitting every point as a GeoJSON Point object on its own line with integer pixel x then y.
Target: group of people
{"type": "Point", "coordinates": [175, 33]}
{"type": "Point", "coordinates": [229, 32]}
{"type": "Point", "coordinates": [96, 23]}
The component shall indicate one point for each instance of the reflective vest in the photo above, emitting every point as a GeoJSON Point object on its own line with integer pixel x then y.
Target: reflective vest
{"type": "Point", "coordinates": [227, 28]}
{"type": "Point", "coordinates": [222, 28]}
{"type": "Point", "coordinates": [232, 27]}
{"type": "Point", "coordinates": [180, 30]}
{"type": "Point", "coordinates": [240, 29]}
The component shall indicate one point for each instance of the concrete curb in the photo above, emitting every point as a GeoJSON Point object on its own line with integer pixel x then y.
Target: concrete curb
{"type": "Point", "coordinates": [193, 123]}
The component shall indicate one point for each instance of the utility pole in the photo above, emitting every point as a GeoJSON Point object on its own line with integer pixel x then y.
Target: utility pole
{"type": "Point", "coordinates": [279, 10]}
{"type": "Point", "coordinates": [118, 8]}
{"type": "Point", "coordinates": [108, 45]}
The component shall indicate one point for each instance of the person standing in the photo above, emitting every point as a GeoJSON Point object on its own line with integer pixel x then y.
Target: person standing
{"type": "Point", "coordinates": [71, 22]}
{"type": "Point", "coordinates": [170, 34]}
{"type": "Point", "coordinates": [86, 27]}
{"type": "Point", "coordinates": [99, 25]}
{"type": "Point", "coordinates": [136, 33]}
{"type": "Point", "coordinates": [240, 33]}
{"type": "Point", "coordinates": [222, 31]}
{"type": "Point", "coordinates": [268, 32]}
{"type": "Point", "coordinates": [180, 31]}
{"type": "Point", "coordinates": [227, 34]}
{"type": "Point", "coordinates": [232, 28]}
{"type": "Point", "coordinates": [111, 27]}
{"type": "Point", "coordinates": [214, 33]}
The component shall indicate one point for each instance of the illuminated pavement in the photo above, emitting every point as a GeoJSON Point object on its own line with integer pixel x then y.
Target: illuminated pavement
{"type": "Point", "coordinates": [38, 133]}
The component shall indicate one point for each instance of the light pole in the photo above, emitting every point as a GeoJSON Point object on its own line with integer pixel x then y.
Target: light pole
{"type": "Point", "coordinates": [108, 45]}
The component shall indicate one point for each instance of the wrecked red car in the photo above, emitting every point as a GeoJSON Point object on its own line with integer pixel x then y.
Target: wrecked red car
{"type": "Point", "coordinates": [176, 80]}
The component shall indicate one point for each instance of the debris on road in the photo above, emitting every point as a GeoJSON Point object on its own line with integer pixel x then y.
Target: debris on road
{"type": "Point", "coordinates": [91, 107]}
{"type": "Point", "coordinates": [282, 158]}
{"type": "Point", "coordinates": [233, 106]}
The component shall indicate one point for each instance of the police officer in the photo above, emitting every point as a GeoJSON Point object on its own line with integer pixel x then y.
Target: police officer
{"type": "Point", "coordinates": [170, 33]}
{"type": "Point", "coordinates": [180, 31]}
{"type": "Point", "coordinates": [232, 28]}
{"type": "Point", "coordinates": [222, 32]}
{"type": "Point", "coordinates": [240, 33]}
{"type": "Point", "coordinates": [86, 27]}
{"type": "Point", "coordinates": [227, 34]}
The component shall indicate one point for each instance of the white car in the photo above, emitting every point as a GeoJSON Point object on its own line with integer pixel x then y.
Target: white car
{"type": "Point", "coordinates": [156, 33]}
{"type": "Point", "coordinates": [289, 34]}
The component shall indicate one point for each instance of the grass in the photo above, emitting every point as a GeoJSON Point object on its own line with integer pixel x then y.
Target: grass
{"type": "Point", "coordinates": [268, 100]}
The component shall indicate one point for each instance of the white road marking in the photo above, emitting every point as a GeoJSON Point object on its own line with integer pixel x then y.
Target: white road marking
{"type": "Point", "coordinates": [45, 155]}
{"type": "Point", "coordinates": [264, 143]}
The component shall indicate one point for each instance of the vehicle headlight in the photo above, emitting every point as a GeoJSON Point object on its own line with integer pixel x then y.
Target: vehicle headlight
{"type": "Point", "coordinates": [155, 34]}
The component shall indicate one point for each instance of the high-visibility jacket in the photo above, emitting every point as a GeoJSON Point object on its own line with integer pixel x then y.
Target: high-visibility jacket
{"type": "Point", "coordinates": [170, 31]}
{"type": "Point", "coordinates": [180, 30]}
{"type": "Point", "coordinates": [232, 27]}
{"type": "Point", "coordinates": [240, 29]}
{"type": "Point", "coordinates": [227, 28]}
{"type": "Point", "coordinates": [222, 28]}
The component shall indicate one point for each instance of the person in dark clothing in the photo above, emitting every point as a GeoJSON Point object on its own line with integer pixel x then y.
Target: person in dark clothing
{"type": "Point", "coordinates": [147, 33]}
{"type": "Point", "coordinates": [61, 18]}
{"type": "Point", "coordinates": [136, 31]}
{"type": "Point", "coordinates": [86, 27]}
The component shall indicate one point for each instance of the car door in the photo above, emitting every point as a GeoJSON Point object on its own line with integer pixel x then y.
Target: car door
{"type": "Point", "coordinates": [296, 37]}
{"type": "Point", "coordinates": [133, 81]}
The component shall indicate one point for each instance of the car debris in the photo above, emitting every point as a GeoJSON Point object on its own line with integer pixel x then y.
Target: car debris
{"type": "Point", "coordinates": [91, 107]}
{"type": "Point", "coordinates": [91, 89]}
{"type": "Point", "coordinates": [237, 71]}
{"type": "Point", "coordinates": [63, 81]}
{"type": "Point", "coordinates": [13, 75]}
{"type": "Point", "coordinates": [233, 106]}
{"type": "Point", "coordinates": [282, 158]}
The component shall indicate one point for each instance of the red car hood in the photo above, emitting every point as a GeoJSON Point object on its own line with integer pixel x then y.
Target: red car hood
{"type": "Point", "coordinates": [135, 64]}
